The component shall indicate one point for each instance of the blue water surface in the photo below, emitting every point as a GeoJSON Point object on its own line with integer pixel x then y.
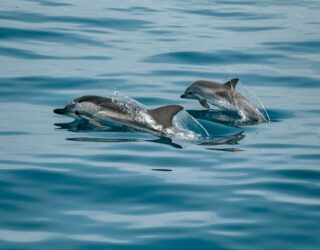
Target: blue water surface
{"type": "Point", "coordinates": [73, 188]}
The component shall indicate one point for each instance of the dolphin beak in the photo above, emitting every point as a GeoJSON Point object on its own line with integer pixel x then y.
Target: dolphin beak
{"type": "Point", "coordinates": [60, 111]}
{"type": "Point", "coordinates": [183, 96]}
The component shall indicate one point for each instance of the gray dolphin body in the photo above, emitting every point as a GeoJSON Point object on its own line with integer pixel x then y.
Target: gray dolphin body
{"type": "Point", "coordinates": [97, 108]}
{"type": "Point", "coordinates": [223, 96]}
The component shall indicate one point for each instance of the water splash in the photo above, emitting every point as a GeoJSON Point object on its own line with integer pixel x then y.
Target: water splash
{"type": "Point", "coordinates": [184, 126]}
{"type": "Point", "coordinates": [254, 100]}
{"type": "Point", "coordinates": [136, 111]}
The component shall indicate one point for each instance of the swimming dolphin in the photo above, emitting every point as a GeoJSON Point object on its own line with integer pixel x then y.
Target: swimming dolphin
{"type": "Point", "coordinates": [223, 96]}
{"type": "Point", "coordinates": [96, 108]}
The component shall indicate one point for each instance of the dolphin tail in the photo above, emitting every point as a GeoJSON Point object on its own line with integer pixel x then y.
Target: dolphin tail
{"type": "Point", "coordinates": [165, 114]}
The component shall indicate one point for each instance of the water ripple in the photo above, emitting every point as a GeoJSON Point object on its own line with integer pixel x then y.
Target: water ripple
{"type": "Point", "coordinates": [28, 54]}
{"type": "Point", "coordinates": [16, 34]}
{"type": "Point", "coordinates": [50, 3]}
{"type": "Point", "coordinates": [249, 28]}
{"type": "Point", "coordinates": [102, 22]}
{"type": "Point", "coordinates": [238, 15]}
{"type": "Point", "coordinates": [296, 46]}
{"type": "Point", "coordinates": [216, 58]}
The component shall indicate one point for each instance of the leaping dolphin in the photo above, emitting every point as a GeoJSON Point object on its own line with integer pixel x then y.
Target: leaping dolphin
{"type": "Point", "coordinates": [225, 97]}
{"type": "Point", "coordinates": [96, 108]}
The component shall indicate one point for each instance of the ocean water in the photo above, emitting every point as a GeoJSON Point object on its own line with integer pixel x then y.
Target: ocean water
{"type": "Point", "coordinates": [67, 187]}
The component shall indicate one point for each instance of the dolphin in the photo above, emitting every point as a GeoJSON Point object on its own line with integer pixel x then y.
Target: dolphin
{"type": "Point", "coordinates": [96, 109]}
{"type": "Point", "coordinates": [225, 97]}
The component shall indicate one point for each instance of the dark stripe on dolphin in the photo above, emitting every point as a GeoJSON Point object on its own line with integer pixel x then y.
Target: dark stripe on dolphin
{"type": "Point", "coordinates": [93, 99]}
{"type": "Point", "coordinates": [101, 101]}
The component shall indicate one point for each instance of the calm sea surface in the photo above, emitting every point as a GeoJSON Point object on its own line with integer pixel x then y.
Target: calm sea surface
{"type": "Point", "coordinates": [72, 188]}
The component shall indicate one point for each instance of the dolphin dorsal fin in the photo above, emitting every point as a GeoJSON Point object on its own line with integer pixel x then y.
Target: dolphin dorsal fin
{"type": "Point", "coordinates": [165, 114]}
{"type": "Point", "coordinates": [232, 83]}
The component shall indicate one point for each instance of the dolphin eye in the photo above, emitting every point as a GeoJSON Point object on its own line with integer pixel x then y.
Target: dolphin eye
{"type": "Point", "coordinates": [77, 112]}
{"type": "Point", "coordinates": [189, 92]}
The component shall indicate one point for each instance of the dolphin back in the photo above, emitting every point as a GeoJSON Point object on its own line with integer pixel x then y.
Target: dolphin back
{"type": "Point", "coordinates": [165, 114]}
{"type": "Point", "coordinates": [98, 100]}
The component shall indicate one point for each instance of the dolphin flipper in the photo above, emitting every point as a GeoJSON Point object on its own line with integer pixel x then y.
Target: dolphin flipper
{"type": "Point", "coordinates": [204, 103]}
